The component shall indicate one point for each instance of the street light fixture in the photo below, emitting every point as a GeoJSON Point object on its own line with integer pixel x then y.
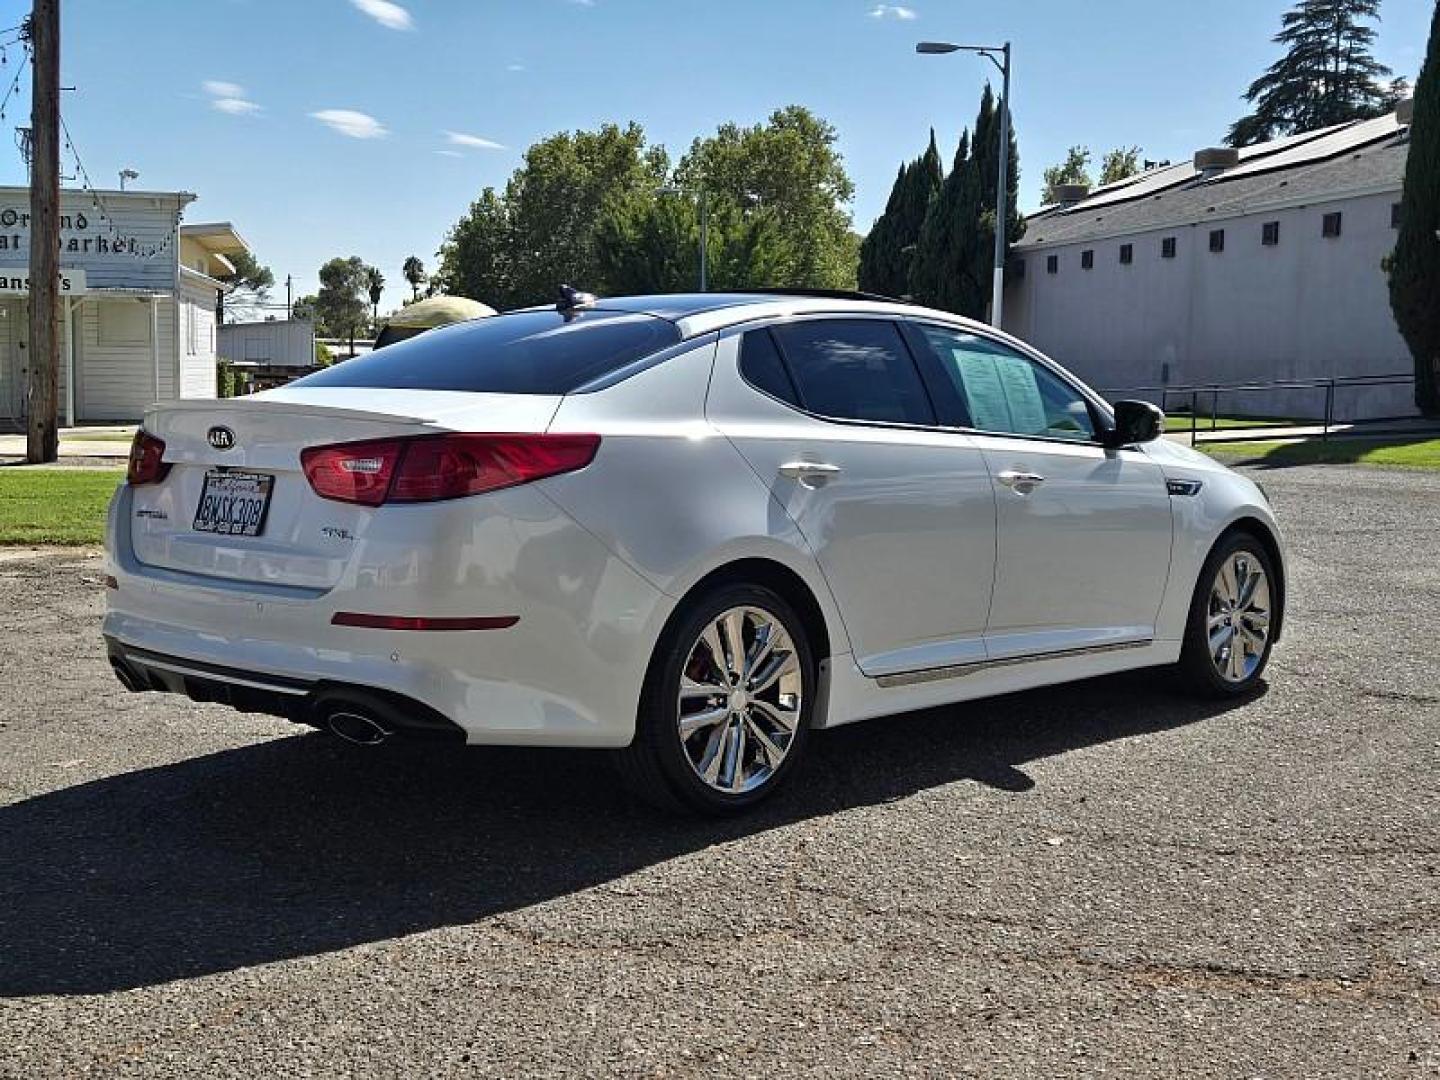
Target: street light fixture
{"type": "Point", "coordinates": [127, 174]}
{"type": "Point", "coordinates": [999, 55]}
{"type": "Point", "coordinates": [672, 189]}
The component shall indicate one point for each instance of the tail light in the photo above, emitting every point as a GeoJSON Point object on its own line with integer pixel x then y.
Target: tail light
{"type": "Point", "coordinates": [429, 468]}
{"type": "Point", "coordinates": [146, 466]}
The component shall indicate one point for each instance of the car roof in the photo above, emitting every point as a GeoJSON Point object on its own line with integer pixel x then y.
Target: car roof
{"type": "Point", "coordinates": [702, 313]}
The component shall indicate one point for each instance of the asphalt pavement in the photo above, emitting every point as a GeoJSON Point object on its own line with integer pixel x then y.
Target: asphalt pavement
{"type": "Point", "coordinates": [1102, 879]}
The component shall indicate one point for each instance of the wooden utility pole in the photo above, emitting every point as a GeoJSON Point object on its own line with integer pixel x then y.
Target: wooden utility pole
{"type": "Point", "coordinates": [43, 443]}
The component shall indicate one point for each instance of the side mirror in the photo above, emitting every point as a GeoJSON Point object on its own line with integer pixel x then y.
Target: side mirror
{"type": "Point", "coordinates": [1135, 422]}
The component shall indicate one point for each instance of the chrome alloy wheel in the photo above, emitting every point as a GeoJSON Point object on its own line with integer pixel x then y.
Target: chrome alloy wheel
{"type": "Point", "coordinates": [740, 700]}
{"type": "Point", "coordinates": [1238, 617]}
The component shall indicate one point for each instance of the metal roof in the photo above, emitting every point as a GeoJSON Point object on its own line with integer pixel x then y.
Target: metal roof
{"type": "Point", "coordinates": [1348, 159]}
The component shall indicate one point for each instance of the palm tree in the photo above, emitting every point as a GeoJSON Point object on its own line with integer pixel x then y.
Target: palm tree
{"type": "Point", "coordinates": [414, 272]}
{"type": "Point", "coordinates": [375, 282]}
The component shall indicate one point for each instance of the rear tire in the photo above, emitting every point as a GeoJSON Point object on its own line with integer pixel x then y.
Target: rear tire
{"type": "Point", "coordinates": [1229, 632]}
{"type": "Point", "coordinates": [725, 713]}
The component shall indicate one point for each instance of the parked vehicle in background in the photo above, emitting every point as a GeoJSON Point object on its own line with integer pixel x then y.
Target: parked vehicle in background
{"type": "Point", "coordinates": [687, 529]}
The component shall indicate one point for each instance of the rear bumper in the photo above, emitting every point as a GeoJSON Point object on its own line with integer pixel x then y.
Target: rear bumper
{"type": "Point", "coordinates": [303, 701]}
{"type": "Point", "coordinates": [568, 673]}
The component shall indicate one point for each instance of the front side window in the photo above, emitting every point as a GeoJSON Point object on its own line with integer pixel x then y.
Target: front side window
{"type": "Point", "coordinates": [854, 369]}
{"type": "Point", "coordinates": [1007, 393]}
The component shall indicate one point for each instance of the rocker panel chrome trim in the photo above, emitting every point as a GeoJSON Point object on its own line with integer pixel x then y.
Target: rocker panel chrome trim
{"type": "Point", "coordinates": [955, 671]}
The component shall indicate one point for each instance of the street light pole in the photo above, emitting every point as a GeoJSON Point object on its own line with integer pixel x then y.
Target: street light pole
{"type": "Point", "coordinates": [1002, 216]}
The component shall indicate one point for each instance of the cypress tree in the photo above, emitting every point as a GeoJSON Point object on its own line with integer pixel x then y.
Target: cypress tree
{"type": "Point", "coordinates": [886, 254]}
{"type": "Point", "coordinates": [1415, 266]}
{"type": "Point", "coordinates": [978, 277]}
{"type": "Point", "coordinates": [935, 269]}
{"type": "Point", "coordinates": [879, 249]}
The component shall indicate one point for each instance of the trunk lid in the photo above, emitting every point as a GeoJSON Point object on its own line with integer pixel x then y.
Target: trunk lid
{"type": "Point", "coordinates": [304, 540]}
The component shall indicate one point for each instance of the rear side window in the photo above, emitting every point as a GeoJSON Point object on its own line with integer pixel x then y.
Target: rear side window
{"type": "Point", "coordinates": [854, 369]}
{"type": "Point", "coordinates": [529, 352]}
{"type": "Point", "coordinates": [762, 368]}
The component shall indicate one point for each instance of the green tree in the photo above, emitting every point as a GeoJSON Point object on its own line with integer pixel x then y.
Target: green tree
{"type": "Point", "coordinates": [1327, 75]}
{"type": "Point", "coordinates": [515, 248]}
{"type": "Point", "coordinates": [946, 237]}
{"type": "Point", "coordinates": [375, 287]}
{"type": "Point", "coordinates": [340, 303]}
{"type": "Point", "coordinates": [1120, 164]}
{"type": "Point", "coordinates": [954, 262]}
{"type": "Point", "coordinates": [1075, 169]}
{"type": "Point", "coordinates": [414, 272]}
{"type": "Point", "coordinates": [478, 253]}
{"type": "Point", "coordinates": [887, 252]}
{"type": "Point", "coordinates": [1415, 267]}
{"type": "Point", "coordinates": [304, 308]}
{"type": "Point", "coordinates": [788, 166]}
{"type": "Point", "coordinates": [250, 286]}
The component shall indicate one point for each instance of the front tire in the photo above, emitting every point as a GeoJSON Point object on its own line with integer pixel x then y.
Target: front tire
{"type": "Point", "coordinates": [1229, 633]}
{"type": "Point", "coordinates": [724, 717]}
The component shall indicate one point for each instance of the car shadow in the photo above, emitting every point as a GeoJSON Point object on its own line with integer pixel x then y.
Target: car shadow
{"type": "Point", "coordinates": [304, 845]}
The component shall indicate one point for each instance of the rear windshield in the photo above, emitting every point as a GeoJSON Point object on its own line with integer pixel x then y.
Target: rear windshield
{"type": "Point", "coordinates": [529, 352]}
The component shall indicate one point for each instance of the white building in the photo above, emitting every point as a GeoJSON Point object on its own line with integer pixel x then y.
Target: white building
{"type": "Point", "coordinates": [1256, 266]}
{"type": "Point", "coordinates": [139, 296]}
{"type": "Point", "coordinates": [272, 352]}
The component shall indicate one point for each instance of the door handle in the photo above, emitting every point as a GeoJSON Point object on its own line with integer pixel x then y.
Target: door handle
{"type": "Point", "coordinates": [810, 473]}
{"type": "Point", "coordinates": [1022, 483]}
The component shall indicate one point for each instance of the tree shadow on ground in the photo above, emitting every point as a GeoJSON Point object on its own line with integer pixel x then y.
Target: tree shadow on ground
{"type": "Point", "coordinates": [299, 846]}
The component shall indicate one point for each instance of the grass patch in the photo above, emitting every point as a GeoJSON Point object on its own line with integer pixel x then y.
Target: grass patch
{"type": "Point", "coordinates": [1401, 453]}
{"type": "Point", "coordinates": [1180, 422]}
{"type": "Point", "coordinates": [100, 436]}
{"type": "Point", "coordinates": [55, 506]}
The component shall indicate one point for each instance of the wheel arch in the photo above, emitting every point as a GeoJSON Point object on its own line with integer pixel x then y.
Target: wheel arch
{"type": "Point", "coordinates": [760, 570]}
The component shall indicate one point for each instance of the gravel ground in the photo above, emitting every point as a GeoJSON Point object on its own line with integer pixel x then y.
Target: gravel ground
{"type": "Point", "coordinates": [1100, 879]}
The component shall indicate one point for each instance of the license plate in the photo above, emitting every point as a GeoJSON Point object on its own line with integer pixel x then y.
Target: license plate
{"type": "Point", "coordinates": [234, 503]}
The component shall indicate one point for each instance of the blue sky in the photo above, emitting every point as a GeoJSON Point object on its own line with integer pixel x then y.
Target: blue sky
{"type": "Point", "coordinates": [220, 97]}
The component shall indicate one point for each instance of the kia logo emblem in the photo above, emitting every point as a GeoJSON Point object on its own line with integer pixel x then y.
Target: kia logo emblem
{"type": "Point", "coordinates": [221, 438]}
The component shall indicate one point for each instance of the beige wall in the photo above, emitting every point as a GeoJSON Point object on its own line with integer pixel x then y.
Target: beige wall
{"type": "Point", "coordinates": [1308, 308]}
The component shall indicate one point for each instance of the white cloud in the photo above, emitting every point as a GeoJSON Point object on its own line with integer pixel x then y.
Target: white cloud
{"type": "Point", "coordinates": [583, 3]}
{"type": "Point", "coordinates": [893, 11]}
{"type": "Point", "coordinates": [387, 14]}
{"type": "Point", "coordinates": [517, 66]}
{"type": "Point", "coordinates": [235, 106]}
{"type": "Point", "coordinates": [229, 97]}
{"type": "Point", "coordinates": [357, 125]}
{"type": "Point", "coordinates": [449, 153]}
{"type": "Point", "coordinates": [473, 142]}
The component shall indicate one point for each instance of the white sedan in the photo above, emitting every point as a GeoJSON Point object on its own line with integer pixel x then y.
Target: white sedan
{"type": "Point", "coordinates": [688, 529]}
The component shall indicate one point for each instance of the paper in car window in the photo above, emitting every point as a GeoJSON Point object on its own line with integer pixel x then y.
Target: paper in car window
{"type": "Point", "coordinates": [983, 390]}
{"type": "Point", "coordinates": [1022, 393]}
{"type": "Point", "coordinates": [1001, 391]}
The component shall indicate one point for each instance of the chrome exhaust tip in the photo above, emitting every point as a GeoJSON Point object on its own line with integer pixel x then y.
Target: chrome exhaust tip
{"type": "Point", "coordinates": [356, 727]}
{"type": "Point", "coordinates": [127, 677]}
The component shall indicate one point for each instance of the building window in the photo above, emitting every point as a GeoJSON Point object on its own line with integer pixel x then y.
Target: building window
{"type": "Point", "coordinates": [1167, 248]}
{"type": "Point", "coordinates": [1270, 233]}
{"type": "Point", "coordinates": [1330, 225]}
{"type": "Point", "coordinates": [1397, 215]}
{"type": "Point", "coordinates": [192, 335]}
{"type": "Point", "coordinates": [1217, 240]}
{"type": "Point", "coordinates": [1087, 260]}
{"type": "Point", "coordinates": [1052, 264]}
{"type": "Point", "coordinates": [1127, 254]}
